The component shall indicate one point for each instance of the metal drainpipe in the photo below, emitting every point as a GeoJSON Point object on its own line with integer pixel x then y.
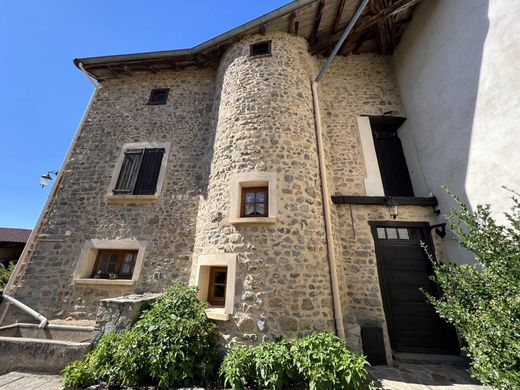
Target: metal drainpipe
{"type": "Point", "coordinates": [331, 253]}
{"type": "Point", "coordinates": [10, 287]}
{"type": "Point", "coordinates": [338, 311]}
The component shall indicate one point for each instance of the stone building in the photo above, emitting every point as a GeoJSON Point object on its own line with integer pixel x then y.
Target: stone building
{"type": "Point", "coordinates": [294, 202]}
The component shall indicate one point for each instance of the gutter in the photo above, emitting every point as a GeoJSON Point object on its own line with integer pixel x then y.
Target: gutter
{"type": "Point", "coordinates": [326, 198]}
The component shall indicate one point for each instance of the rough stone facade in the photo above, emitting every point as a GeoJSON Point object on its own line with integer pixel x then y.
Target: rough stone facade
{"type": "Point", "coordinates": [249, 115]}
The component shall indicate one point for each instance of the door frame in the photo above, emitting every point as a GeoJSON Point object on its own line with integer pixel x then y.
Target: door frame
{"type": "Point", "coordinates": [428, 240]}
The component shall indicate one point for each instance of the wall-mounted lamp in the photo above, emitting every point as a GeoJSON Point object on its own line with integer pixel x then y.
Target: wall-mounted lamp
{"type": "Point", "coordinates": [440, 229]}
{"type": "Point", "coordinates": [45, 179]}
{"type": "Point", "coordinates": [393, 207]}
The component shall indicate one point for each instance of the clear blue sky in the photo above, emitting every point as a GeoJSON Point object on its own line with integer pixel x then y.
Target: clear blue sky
{"type": "Point", "coordinates": [43, 95]}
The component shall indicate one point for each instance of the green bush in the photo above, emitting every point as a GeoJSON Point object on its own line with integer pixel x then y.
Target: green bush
{"type": "Point", "coordinates": [5, 274]}
{"type": "Point", "coordinates": [483, 301]}
{"type": "Point", "coordinates": [319, 361]}
{"type": "Point", "coordinates": [172, 345]}
{"type": "Point", "coordinates": [325, 362]}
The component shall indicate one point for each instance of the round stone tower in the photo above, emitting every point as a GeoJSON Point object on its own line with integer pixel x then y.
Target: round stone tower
{"type": "Point", "coordinates": [265, 135]}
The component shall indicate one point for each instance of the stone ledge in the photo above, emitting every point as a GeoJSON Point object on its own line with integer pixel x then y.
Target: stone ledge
{"type": "Point", "coordinates": [105, 282]}
{"type": "Point", "coordinates": [111, 198]}
{"type": "Point", "coordinates": [217, 314]}
{"type": "Point", "coordinates": [252, 220]}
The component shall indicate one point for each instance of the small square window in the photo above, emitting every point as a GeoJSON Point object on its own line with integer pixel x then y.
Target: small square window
{"type": "Point", "coordinates": [217, 286]}
{"type": "Point", "coordinates": [255, 202]}
{"type": "Point", "coordinates": [114, 264]}
{"type": "Point", "coordinates": [260, 48]}
{"type": "Point", "coordinates": [159, 96]}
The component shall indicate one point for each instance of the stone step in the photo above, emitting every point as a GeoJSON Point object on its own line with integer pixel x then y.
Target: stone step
{"type": "Point", "coordinates": [427, 358]}
{"type": "Point", "coordinates": [47, 350]}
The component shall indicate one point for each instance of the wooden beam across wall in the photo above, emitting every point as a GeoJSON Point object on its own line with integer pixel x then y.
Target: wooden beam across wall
{"type": "Point", "coordinates": [316, 25]}
{"type": "Point", "coordinates": [337, 18]}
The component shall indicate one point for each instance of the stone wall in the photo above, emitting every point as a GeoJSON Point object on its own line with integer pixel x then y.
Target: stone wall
{"type": "Point", "coordinates": [119, 115]}
{"type": "Point", "coordinates": [265, 123]}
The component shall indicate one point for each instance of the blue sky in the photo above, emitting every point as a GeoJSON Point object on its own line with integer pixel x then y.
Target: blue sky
{"type": "Point", "coordinates": [43, 95]}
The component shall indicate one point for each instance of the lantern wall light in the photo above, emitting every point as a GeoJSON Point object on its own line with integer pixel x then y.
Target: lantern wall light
{"type": "Point", "coordinates": [393, 207]}
{"type": "Point", "coordinates": [45, 179]}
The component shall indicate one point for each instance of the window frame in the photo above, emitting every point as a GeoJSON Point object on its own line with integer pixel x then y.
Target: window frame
{"type": "Point", "coordinates": [243, 201]}
{"type": "Point", "coordinates": [243, 180]}
{"type": "Point", "coordinates": [118, 197]}
{"type": "Point", "coordinates": [88, 256]}
{"type": "Point", "coordinates": [213, 300]}
{"type": "Point", "coordinates": [120, 260]}
{"type": "Point", "coordinates": [252, 49]}
{"type": "Point", "coordinates": [156, 91]}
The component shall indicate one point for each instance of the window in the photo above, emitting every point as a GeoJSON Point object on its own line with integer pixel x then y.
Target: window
{"type": "Point", "coordinates": [114, 264]}
{"type": "Point", "coordinates": [214, 277]}
{"type": "Point", "coordinates": [390, 156]}
{"type": "Point", "coordinates": [110, 262]}
{"type": "Point", "coordinates": [139, 172]}
{"type": "Point", "coordinates": [255, 202]}
{"type": "Point", "coordinates": [253, 198]}
{"type": "Point", "coordinates": [260, 49]}
{"type": "Point", "coordinates": [217, 286]}
{"type": "Point", "coordinates": [399, 233]}
{"type": "Point", "coordinates": [159, 96]}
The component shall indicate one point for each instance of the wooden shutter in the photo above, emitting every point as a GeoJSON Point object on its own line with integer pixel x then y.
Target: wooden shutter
{"type": "Point", "coordinates": [149, 172]}
{"type": "Point", "coordinates": [390, 156]}
{"type": "Point", "coordinates": [129, 170]}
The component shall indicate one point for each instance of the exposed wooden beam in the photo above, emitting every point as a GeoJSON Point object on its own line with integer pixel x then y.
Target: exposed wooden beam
{"type": "Point", "coordinates": [151, 68]}
{"type": "Point", "coordinates": [112, 71]}
{"type": "Point", "coordinates": [364, 23]}
{"type": "Point", "coordinates": [317, 20]}
{"type": "Point", "coordinates": [263, 29]}
{"type": "Point", "coordinates": [128, 71]}
{"type": "Point", "coordinates": [337, 18]}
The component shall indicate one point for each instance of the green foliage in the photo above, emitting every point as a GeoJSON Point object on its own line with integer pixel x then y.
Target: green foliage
{"type": "Point", "coordinates": [5, 273]}
{"type": "Point", "coordinates": [172, 345]}
{"type": "Point", "coordinates": [319, 361]}
{"type": "Point", "coordinates": [483, 301]}
{"type": "Point", "coordinates": [326, 363]}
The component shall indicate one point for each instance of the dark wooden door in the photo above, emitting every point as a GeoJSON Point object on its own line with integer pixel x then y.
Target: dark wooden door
{"type": "Point", "coordinates": [404, 270]}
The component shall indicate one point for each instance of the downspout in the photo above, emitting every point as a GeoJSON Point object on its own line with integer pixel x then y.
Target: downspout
{"type": "Point", "coordinates": [338, 311]}
{"type": "Point", "coordinates": [10, 287]}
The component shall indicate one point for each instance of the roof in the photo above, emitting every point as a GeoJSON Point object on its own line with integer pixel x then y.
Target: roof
{"type": "Point", "coordinates": [14, 235]}
{"type": "Point", "coordinates": [321, 22]}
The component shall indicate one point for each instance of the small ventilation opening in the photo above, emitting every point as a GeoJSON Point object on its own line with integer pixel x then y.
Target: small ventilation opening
{"type": "Point", "coordinates": [261, 48]}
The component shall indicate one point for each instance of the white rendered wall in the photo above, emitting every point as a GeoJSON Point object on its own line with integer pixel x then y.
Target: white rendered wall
{"type": "Point", "coordinates": [458, 70]}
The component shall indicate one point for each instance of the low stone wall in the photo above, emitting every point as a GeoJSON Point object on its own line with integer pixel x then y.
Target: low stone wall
{"type": "Point", "coordinates": [119, 314]}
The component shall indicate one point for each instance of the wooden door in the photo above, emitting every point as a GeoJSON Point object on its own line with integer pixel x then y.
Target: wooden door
{"type": "Point", "coordinates": [404, 269]}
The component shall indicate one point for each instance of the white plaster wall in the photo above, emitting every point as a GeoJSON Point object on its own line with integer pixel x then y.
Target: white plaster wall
{"type": "Point", "coordinates": [458, 70]}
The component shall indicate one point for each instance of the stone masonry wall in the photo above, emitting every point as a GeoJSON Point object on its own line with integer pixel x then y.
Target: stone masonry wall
{"type": "Point", "coordinates": [120, 115]}
{"type": "Point", "coordinates": [265, 123]}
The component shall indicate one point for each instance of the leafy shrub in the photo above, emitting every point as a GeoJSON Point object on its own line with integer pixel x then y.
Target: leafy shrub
{"type": "Point", "coordinates": [5, 274]}
{"type": "Point", "coordinates": [325, 362]}
{"type": "Point", "coordinates": [265, 366]}
{"type": "Point", "coordinates": [319, 361]}
{"type": "Point", "coordinates": [172, 345]}
{"type": "Point", "coordinates": [483, 301]}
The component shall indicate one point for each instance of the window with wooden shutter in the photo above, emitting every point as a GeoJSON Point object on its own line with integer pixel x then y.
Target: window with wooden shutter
{"type": "Point", "coordinates": [139, 172]}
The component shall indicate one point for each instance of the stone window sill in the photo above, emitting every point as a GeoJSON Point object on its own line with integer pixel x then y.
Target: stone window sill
{"type": "Point", "coordinates": [252, 220]}
{"type": "Point", "coordinates": [260, 56]}
{"type": "Point", "coordinates": [104, 282]}
{"type": "Point", "coordinates": [111, 198]}
{"type": "Point", "coordinates": [217, 313]}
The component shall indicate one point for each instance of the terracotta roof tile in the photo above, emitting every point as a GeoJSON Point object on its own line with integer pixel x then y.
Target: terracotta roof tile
{"type": "Point", "coordinates": [14, 235]}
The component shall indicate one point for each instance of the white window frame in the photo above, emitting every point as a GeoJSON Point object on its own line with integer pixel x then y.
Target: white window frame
{"type": "Point", "coordinates": [201, 280]}
{"type": "Point", "coordinates": [87, 260]}
{"type": "Point", "coordinates": [253, 179]}
{"type": "Point", "coordinates": [373, 182]}
{"type": "Point", "coordinates": [111, 197]}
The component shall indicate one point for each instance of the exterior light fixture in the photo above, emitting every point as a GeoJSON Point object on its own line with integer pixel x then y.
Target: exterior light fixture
{"type": "Point", "coordinates": [440, 229]}
{"type": "Point", "coordinates": [393, 207]}
{"type": "Point", "coordinates": [45, 179]}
